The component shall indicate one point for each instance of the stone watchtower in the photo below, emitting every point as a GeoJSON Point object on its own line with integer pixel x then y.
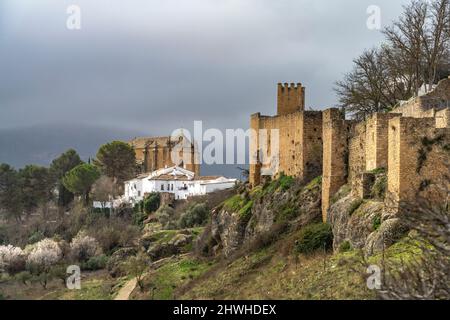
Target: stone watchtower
{"type": "Point", "coordinates": [295, 148]}
{"type": "Point", "coordinates": [291, 98]}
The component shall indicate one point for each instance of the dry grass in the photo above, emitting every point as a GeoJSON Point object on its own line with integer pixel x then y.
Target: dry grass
{"type": "Point", "coordinates": [270, 275]}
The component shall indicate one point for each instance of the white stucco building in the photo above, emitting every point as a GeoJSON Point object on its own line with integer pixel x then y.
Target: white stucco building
{"type": "Point", "coordinates": [178, 181]}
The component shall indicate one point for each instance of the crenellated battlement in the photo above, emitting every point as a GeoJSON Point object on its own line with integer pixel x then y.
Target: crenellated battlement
{"type": "Point", "coordinates": [411, 145]}
{"type": "Point", "coordinates": [291, 98]}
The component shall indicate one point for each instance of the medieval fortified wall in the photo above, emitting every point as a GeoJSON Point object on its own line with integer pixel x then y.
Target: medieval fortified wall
{"type": "Point", "coordinates": [411, 143]}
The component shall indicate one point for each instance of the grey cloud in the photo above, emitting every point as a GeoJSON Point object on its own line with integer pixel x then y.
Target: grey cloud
{"type": "Point", "coordinates": [156, 65]}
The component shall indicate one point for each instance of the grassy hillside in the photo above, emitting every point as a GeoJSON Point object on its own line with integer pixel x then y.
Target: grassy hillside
{"type": "Point", "coordinates": [270, 273]}
{"type": "Point", "coordinates": [280, 250]}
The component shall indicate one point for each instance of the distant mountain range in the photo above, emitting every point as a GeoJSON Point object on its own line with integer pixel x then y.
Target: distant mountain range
{"type": "Point", "coordinates": [41, 144]}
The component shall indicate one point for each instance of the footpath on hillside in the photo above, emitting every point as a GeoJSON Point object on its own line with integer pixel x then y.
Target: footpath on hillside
{"type": "Point", "coordinates": [126, 290]}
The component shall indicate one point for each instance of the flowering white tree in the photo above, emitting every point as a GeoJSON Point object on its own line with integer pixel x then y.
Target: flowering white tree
{"type": "Point", "coordinates": [44, 254]}
{"type": "Point", "coordinates": [84, 247]}
{"type": "Point", "coordinates": [12, 259]}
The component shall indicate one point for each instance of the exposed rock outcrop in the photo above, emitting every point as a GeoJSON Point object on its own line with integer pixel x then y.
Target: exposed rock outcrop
{"type": "Point", "coordinates": [165, 243]}
{"type": "Point", "coordinates": [356, 223]}
{"type": "Point", "coordinates": [389, 232]}
{"type": "Point", "coordinates": [364, 224]}
{"type": "Point", "coordinates": [246, 216]}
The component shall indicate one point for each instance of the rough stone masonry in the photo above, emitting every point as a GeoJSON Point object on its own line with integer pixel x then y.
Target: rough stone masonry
{"type": "Point", "coordinates": [411, 143]}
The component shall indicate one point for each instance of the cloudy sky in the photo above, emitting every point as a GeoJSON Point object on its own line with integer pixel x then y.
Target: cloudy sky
{"type": "Point", "coordinates": [150, 66]}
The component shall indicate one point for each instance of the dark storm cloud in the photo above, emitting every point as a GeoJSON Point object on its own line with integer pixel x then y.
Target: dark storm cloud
{"type": "Point", "coordinates": [155, 65]}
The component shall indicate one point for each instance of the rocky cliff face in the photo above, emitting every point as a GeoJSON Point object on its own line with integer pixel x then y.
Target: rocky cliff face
{"type": "Point", "coordinates": [364, 224]}
{"type": "Point", "coordinates": [280, 204]}
{"type": "Point", "coordinates": [287, 203]}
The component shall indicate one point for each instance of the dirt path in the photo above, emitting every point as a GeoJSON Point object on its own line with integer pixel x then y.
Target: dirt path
{"type": "Point", "coordinates": [126, 290]}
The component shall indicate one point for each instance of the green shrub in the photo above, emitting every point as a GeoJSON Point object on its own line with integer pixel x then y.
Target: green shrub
{"type": "Point", "coordinates": [378, 171]}
{"type": "Point", "coordinates": [379, 188]}
{"type": "Point", "coordinates": [58, 272]}
{"type": "Point", "coordinates": [287, 213]}
{"type": "Point", "coordinates": [345, 247]}
{"type": "Point", "coordinates": [196, 215]}
{"type": "Point", "coordinates": [165, 216]}
{"type": "Point", "coordinates": [317, 181]}
{"type": "Point", "coordinates": [139, 218]}
{"type": "Point", "coordinates": [24, 277]}
{"type": "Point", "coordinates": [36, 237]}
{"type": "Point", "coordinates": [152, 202]}
{"type": "Point", "coordinates": [270, 187]}
{"type": "Point", "coordinates": [246, 211]}
{"type": "Point", "coordinates": [101, 211]}
{"type": "Point", "coordinates": [314, 237]}
{"type": "Point", "coordinates": [376, 222]}
{"type": "Point", "coordinates": [95, 263]}
{"type": "Point", "coordinates": [354, 206]}
{"type": "Point", "coordinates": [234, 203]}
{"type": "Point", "coordinates": [139, 207]}
{"type": "Point", "coordinates": [285, 182]}
{"type": "Point", "coordinates": [257, 192]}
{"type": "Point", "coordinates": [3, 235]}
{"type": "Point", "coordinates": [113, 234]}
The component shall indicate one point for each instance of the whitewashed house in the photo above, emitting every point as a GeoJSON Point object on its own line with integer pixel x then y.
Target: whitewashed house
{"type": "Point", "coordinates": [180, 182]}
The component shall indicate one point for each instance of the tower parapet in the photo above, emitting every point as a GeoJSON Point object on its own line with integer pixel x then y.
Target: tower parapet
{"type": "Point", "coordinates": [291, 98]}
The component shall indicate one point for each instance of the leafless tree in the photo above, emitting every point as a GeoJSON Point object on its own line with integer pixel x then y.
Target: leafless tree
{"type": "Point", "coordinates": [416, 52]}
{"type": "Point", "coordinates": [104, 190]}
{"type": "Point", "coordinates": [375, 84]}
{"type": "Point", "coordinates": [406, 36]}
{"type": "Point", "coordinates": [421, 35]}
{"type": "Point", "coordinates": [437, 39]}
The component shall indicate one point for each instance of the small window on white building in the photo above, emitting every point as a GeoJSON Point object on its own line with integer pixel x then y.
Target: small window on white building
{"type": "Point", "coordinates": [139, 193]}
{"type": "Point", "coordinates": [162, 187]}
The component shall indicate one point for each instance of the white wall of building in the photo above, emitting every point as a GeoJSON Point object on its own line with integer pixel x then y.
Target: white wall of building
{"type": "Point", "coordinates": [182, 189]}
{"type": "Point", "coordinates": [134, 190]}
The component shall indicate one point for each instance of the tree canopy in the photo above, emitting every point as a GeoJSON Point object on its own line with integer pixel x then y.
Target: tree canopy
{"type": "Point", "coordinates": [415, 52]}
{"type": "Point", "coordinates": [37, 184]}
{"type": "Point", "coordinates": [117, 160]}
{"type": "Point", "coordinates": [80, 179]}
{"type": "Point", "coordinates": [10, 194]}
{"type": "Point", "coordinates": [59, 167]}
